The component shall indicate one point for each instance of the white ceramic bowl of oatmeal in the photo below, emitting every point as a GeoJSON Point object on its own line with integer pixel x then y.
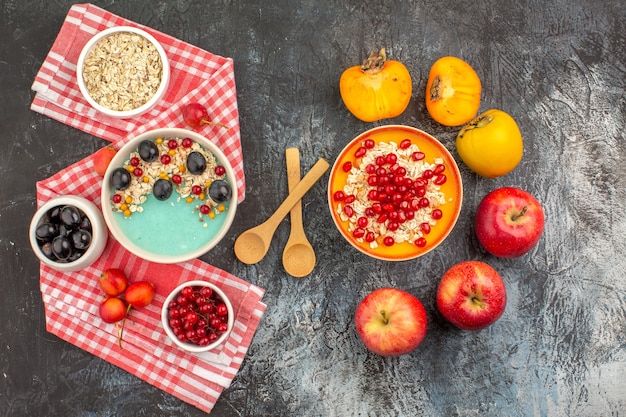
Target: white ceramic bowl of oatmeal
{"type": "Point", "coordinates": [122, 72]}
{"type": "Point", "coordinates": [395, 193]}
{"type": "Point", "coordinates": [169, 195]}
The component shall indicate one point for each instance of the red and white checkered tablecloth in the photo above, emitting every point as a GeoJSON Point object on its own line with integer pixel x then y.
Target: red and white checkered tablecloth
{"type": "Point", "coordinates": [71, 299]}
{"type": "Point", "coordinates": [196, 75]}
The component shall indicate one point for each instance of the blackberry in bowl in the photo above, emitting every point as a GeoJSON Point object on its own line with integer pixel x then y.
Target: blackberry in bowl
{"type": "Point", "coordinates": [68, 233]}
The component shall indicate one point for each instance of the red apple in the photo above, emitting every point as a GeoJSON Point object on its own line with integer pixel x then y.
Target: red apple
{"type": "Point", "coordinates": [112, 310]}
{"type": "Point", "coordinates": [139, 294]}
{"type": "Point", "coordinates": [509, 222]}
{"type": "Point", "coordinates": [113, 282]}
{"type": "Point", "coordinates": [471, 295]}
{"type": "Point", "coordinates": [390, 322]}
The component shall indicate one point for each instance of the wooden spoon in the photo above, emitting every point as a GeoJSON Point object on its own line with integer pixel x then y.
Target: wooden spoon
{"type": "Point", "coordinates": [298, 255]}
{"type": "Point", "coordinates": [252, 245]}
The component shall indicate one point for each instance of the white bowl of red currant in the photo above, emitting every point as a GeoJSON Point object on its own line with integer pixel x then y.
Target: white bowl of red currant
{"type": "Point", "coordinates": [169, 195]}
{"type": "Point", "coordinates": [68, 233]}
{"type": "Point", "coordinates": [197, 316]}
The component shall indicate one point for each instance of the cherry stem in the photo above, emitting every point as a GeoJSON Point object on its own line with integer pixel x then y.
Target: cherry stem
{"type": "Point", "coordinates": [120, 331]}
{"type": "Point", "coordinates": [208, 122]}
{"type": "Point", "coordinates": [520, 214]}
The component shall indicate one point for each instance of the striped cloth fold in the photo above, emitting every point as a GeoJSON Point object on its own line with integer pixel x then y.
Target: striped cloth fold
{"type": "Point", "coordinates": [71, 299]}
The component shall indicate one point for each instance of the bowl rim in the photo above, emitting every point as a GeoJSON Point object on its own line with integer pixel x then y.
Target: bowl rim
{"type": "Point", "coordinates": [97, 225]}
{"type": "Point", "coordinates": [375, 130]}
{"type": "Point", "coordinates": [188, 346]}
{"type": "Point", "coordinates": [165, 74]}
{"type": "Point", "coordinates": [122, 154]}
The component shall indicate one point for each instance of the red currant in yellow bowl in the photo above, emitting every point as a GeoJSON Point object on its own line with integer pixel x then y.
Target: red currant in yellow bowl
{"type": "Point", "coordinates": [395, 193]}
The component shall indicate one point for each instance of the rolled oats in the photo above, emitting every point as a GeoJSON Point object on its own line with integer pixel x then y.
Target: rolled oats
{"type": "Point", "coordinates": [122, 71]}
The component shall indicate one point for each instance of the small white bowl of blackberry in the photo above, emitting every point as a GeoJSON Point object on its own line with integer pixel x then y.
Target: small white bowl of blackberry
{"type": "Point", "coordinates": [68, 233]}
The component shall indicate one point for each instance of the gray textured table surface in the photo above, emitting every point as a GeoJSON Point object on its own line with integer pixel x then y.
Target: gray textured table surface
{"type": "Point", "coordinates": [558, 67]}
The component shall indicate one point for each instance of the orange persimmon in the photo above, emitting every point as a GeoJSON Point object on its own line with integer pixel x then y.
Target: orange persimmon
{"type": "Point", "coordinates": [452, 91]}
{"type": "Point", "coordinates": [378, 89]}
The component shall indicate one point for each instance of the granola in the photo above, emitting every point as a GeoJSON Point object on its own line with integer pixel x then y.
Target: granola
{"type": "Point", "coordinates": [171, 165]}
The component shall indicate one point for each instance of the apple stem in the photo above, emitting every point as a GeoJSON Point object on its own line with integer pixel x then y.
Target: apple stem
{"type": "Point", "coordinates": [521, 213]}
{"type": "Point", "coordinates": [385, 318]}
{"type": "Point", "coordinates": [478, 302]}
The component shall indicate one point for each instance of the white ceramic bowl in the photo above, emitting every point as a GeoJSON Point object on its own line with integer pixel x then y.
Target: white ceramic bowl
{"type": "Point", "coordinates": [190, 347]}
{"type": "Point", "coordinates": [160, 92]}
{"type": "Point", "coordinates": [139, 243]}
{"type": "Point", "coordinates": [99, 233]}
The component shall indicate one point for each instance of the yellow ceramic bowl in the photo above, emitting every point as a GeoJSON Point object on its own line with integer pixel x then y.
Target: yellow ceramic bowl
{"type": "Point", "coordinates": [450, 193]}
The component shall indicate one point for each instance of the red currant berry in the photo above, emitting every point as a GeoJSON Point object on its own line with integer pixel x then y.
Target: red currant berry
{"type": "Point", "coordinates": [187, 292]}
{"type": "Point", "coordinates": [134, 161]}
{"type": "Point", "coordinates": [215, 322]}
{"type": "Point", "coordinates": [138, 172]}
{"type": "Point", "coordinates": [196, 190]}
{"type": "Point", "coordinates": [191, 317]}
{"type": "Point", "coordinates": [187, 142]}
{"type": "Point", "coordinates": [177, 179]}
{"type": "Point", "coordinates": [221, 309]}
{"type": "Point", "coordinates": [117, 198]}
{"type": "Point", "coordinates": [207, 308]}
{"type": "Point", "coordinates": [172, 144]}
{"type": "Point", "coordinates": [204, 209]}
{"type": "Point", "coordinates": [220, 170]}
{"type": "Point", "coordinates": [166, 159]}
